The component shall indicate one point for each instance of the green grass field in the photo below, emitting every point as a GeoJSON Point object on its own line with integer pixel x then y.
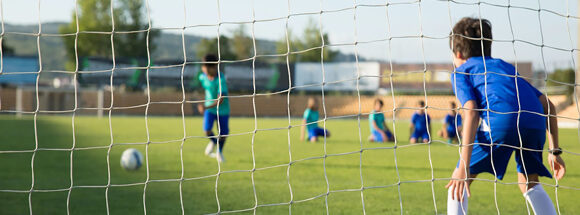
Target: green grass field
{"type": "Point", "coordinates": [266, 150]}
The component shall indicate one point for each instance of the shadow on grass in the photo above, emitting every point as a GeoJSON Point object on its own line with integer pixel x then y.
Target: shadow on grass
{"type": "Point", "coordinates": [47, 170]}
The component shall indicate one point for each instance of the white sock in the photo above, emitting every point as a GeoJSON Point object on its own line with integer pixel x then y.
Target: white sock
{"type": "Point", "coordinates": [455, 207]}
{"type": "Point", "coordinates": [540, 201]}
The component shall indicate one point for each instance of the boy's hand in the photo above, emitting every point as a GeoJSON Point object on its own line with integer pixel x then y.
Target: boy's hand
{"type": "Point", "coordinates": [557, 165]}
{"type": "Point", "coordinates": [200, 108]}
{"type": "Point", "coordinates": [459, 182]}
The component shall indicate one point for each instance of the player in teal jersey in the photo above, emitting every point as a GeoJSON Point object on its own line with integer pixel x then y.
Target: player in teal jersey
{"type": "Point", "coordinates": [216, 107]}
{"type": "Point", "coordinates": [310, 119]}
{"type": "Point", "coordinates": [379, 130]}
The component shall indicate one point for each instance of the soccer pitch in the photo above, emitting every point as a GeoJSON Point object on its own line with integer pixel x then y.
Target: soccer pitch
{"type": "Point", "coordinates": [273, 184]}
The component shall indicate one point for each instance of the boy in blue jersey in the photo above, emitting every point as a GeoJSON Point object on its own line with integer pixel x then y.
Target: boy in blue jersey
{"type": "Point", "coordinates": [379, 130]}
{"type": "Point", "coordinates": [450, 129]}
{"type": "Point", "coordinates": [310, 119]}
{"type": "Point", "coordinates": [216, 107]}
{"type": "Point", "coordinates": [420, 125]}
{"type": "Point", "coordinates": [512, 114]}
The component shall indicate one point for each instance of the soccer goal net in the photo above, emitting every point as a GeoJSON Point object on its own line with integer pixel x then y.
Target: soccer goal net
{"type": "Point", "coordinates": [268, 106]}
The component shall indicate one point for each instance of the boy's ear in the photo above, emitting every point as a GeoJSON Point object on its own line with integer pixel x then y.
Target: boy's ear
{"type": "Point", "coordinates": [460, 56]}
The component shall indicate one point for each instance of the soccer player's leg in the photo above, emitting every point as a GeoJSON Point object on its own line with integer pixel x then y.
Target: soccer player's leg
{"type": "Point", "coordinates": [414, 137]}
{"type": "Point", "coordinates": [224, 130]}
{"type": "Point", "coordinates": [390, 136]}
{"type": "Point", "coordinates": [377, 137]}
{"type": "Point", "coordinates": [484, 158]}
{"type": "Point", "coordinates": [530, 167]}
{"type": "Point", "coordinates": [208, 121]}
{"type": "Point", "coordinates": [489, 158]}
{"type": "Point", "coordinates": [318, 132]}
{"type": "Point", "coordinates": [312, 135]}
{"type": "Point", "coordinates": [371, 137]}
{"type": "Point", "coordinates": [451, 136]}
{"type": "Point", "coordinates": [441, 133]}
{"type": "Point", "coordinates": [425, 137]}
{"type": "Point", "coordinates": [324, 132]}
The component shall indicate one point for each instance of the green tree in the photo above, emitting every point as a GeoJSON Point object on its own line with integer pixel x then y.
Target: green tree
{"type": "Point", "coordinates": [129, 17]}
{"type": "Point", "coordinates": [560, 76]}
{"type": "Point", "coordinates": [210, 46]}
{"type": "Point", "coordinates": [310, 39]}
{"type": "Point", "coordinates": [95, 16]}
{"type": "Point", "coordinates": [282, 46]}
{"type": "Point", "coordinates": [6, 50]}
{"type": "Point", "coordinates": [242, 44]}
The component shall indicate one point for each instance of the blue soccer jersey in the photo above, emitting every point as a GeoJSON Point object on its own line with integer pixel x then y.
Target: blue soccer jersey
{"type": "Point", "coordinates": [420, 122]}
{"type": "Point", "coordinates": [496, 90]}
{"type": "Point", "coordinates": [450, 121]}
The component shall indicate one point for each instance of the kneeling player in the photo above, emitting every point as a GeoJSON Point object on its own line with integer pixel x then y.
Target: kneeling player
{"type": "Point", "coordinates": [420, 125]}
{"type": "Point", "coordinates": [310, 119]}
{"type": "Point", "coordinates": [516, 121]}
{"type": "Point", "coordinates": [379, 130]}
{"type": "Point", "coordinates": [450, 129]}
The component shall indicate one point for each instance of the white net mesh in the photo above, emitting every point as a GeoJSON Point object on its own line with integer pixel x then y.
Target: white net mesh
{"type": "Point", "coordinates": [258, 100]}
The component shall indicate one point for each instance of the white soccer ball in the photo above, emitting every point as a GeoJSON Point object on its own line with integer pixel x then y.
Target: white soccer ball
{"type": "Point", "coordinates": [131, 159]}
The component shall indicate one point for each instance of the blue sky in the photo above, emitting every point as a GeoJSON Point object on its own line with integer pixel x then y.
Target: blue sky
{"type": "Point", "coordinates": [434, 19]}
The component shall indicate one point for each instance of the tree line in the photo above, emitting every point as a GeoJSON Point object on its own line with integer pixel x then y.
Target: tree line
{"type": "Point", "coordinates": [95, 23]}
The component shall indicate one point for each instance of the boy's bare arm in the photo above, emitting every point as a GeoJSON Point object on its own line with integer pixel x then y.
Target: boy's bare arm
{"type": "Point", "coordinates": [462, 172]}
{"type": "Point", "coordinates": [302, 128]}
{"type": "Point", "coordinates": [471, 123]}
{"type": "Point", "coordinates": [218, 102]}
{"type": "Point", "coordinates": [556, 162]}
{"type": "Point", "coordinates": [550, 109]}
{"type": "Point", "coordinates": [444, 129]}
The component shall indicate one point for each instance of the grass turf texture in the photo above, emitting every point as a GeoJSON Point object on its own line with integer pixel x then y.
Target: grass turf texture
{"type": "Point", "coordinates": [234, 189]}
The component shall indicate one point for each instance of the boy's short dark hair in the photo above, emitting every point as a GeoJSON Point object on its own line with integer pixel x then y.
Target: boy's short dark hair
{"type": "Point", "coordinates": [466, 37]}
{"type": "Point", "coordinates": [453, 105]}
{"type": "Point", "coordinates": [421, 103]}
{"type": "Point", "coordinates": [210, 60]}
{"type": "Point", "coordinates": [379, 101]}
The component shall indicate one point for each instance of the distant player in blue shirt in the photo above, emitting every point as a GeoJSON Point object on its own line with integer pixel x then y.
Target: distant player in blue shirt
{"type": "Point", "coordinates": [450, 129]}
{"type": "Point", "coordinates": [379, 130]}
{"type": "Point", "coordinates": [501, 107]}
{"type": "Point", "coordinates": [216, 108]}
{"type": "Point", "coordinates": [420, 124]}
{"type": "Point", "coordinates": [310, 119]}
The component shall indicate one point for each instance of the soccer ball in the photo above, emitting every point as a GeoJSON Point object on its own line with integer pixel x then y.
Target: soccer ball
{"type": "Point", "coordinates": [131, 159]}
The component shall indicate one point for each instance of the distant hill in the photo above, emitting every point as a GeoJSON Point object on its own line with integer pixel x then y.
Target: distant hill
{"type": "Point", "coordinates": [169, 46]}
